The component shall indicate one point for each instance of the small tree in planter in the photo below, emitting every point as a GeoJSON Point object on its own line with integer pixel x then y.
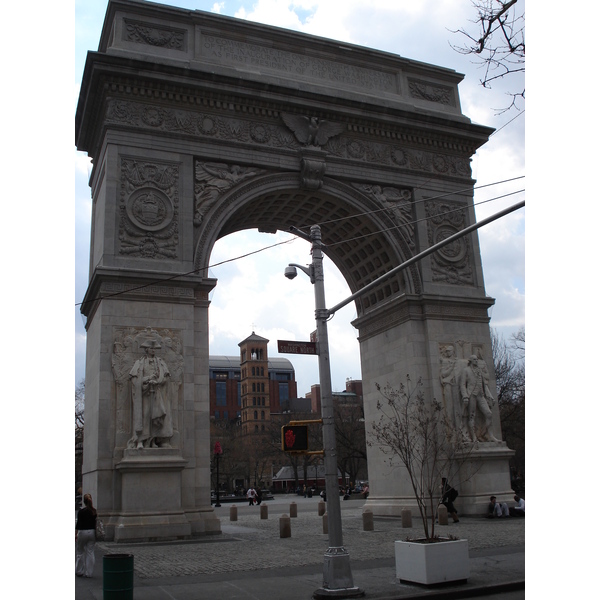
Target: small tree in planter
{"type": "Point", "coordinates": [430, 446]}
{"type": "Point", "coordinates": [425, 439]}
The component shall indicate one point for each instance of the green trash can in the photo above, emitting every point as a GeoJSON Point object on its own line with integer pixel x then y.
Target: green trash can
{"type": "Point", "coordinates": [117, 576]}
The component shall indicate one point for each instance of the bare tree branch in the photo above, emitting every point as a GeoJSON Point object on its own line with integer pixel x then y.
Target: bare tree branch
{"type": "Point", "coordinates": [499, 45]}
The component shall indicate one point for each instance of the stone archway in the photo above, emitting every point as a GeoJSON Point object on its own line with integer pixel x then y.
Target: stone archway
{"type": "Point", "coordinates": [200, 126]}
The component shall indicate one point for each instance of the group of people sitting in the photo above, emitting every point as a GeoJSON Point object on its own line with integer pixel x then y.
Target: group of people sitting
{"type": "Point", "coordinates": [495, 509]}
{"type": "Point", "coordinates": [501, 509]}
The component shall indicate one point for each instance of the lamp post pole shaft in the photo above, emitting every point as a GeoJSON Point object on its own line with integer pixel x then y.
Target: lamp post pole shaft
{"type": "Point", "coordinates": [337, 575]}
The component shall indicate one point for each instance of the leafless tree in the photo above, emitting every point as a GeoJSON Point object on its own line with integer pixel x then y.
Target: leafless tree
{"type": "Point", "coordinates": [509, 368]}
{"type": "Point", "coordinates": [350, 440]}
{"type": "Point", "coordinates": [79, 422]}
{"type": "Point", "coordinates": [499, 43]}
{"type": "Point", "coordinates": [426, 442]}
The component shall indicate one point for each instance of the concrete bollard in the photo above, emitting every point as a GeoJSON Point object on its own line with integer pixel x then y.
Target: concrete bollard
{"type": "Point", "coordinates": [325, 524]}
{"type": "Point", "coordinates": [285, 527]}
{"type": "Point", "coordinates": [367, 517]}
{"type": "Point", "coordinates": [233, 513]}
{"type": "Point", "coordinates": [264, 511]}
{"type": "Point", "coordinates": [406, 517]}
{"type": "Point", "coordinates": [293, 509]}
{"type": "Point", "coordinates": [442, 515]}
{"type": "Point", "coordinates": [321, 508]}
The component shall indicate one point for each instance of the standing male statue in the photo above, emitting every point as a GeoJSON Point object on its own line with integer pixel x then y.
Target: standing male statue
{"type": "Point", "coordinates": [475, 394]}
{"type": "Point", "coordinates": [152, 423]}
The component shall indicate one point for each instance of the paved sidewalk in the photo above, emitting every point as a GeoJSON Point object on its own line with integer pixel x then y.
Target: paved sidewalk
{"type": "Point", "coordinates": [250, 560]}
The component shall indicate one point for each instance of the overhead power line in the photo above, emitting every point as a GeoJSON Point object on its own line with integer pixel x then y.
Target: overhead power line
{"type": "Point", "coordinates": [292, 239]}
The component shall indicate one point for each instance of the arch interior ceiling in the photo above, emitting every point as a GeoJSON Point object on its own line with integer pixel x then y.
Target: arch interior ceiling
{"type": "Point", "coordinates": [354, 243]}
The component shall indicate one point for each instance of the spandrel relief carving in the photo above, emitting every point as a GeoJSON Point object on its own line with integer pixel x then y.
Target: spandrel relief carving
{"type": "Point", "coordinates": [149, 210]}
{"type": "Point", "coordinates": [452, 263]}
{"type": "Point", "coordinates": [467, 398]}
{"type": "Point", "coordinates": [399, 205]}
{"type": "Point", "coordinates": [212, 180]}
{"type": "Point", "coordinates": [148, 370]}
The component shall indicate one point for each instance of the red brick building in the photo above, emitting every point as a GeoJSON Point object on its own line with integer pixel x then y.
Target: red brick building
{"type": "Point", "coordinates": [247, 388]}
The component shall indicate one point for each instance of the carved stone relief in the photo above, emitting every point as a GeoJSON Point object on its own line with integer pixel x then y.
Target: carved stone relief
{"type": "Point", "coordinates": [152, 35]}
{"type": "Point", "coordinates": [433, 93]}
{"type": "Point", "coordinates": [212, 180]}
{"type": "Point", "coordinates": [467, 399]}
{"type": "Point", "coordinates": [452, 263]}
{"type": "Point", "coordinates": [147, 366]}
{"type": "Point", "coordinates": [311, 131]}
{"type": "Point", "coordinates": [399, 152]}
{"type": "Point", "coordinates": [399, 205]}
{"type": "Point", "coordinates": [149, 209]}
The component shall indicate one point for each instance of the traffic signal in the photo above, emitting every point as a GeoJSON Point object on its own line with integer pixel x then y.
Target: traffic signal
{"type": "Point", "coordinates": [294, 438]}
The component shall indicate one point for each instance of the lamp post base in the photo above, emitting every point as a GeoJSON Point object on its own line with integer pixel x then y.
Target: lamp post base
{"type": "Point", "coordinates": [337, 577]}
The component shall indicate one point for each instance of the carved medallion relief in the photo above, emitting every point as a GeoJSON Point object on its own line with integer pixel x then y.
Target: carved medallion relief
{"type": "Point", "coordinates": [149, 209]}
{"type": "Point", "coordinates": [452, 263]}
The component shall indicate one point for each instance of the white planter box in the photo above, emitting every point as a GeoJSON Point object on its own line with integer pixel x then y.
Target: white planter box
{"type": "Point", "coordinates": [428, 564]}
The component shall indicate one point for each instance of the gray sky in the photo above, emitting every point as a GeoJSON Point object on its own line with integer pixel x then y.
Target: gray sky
{"type": "Point", "coordinates": [252, 290]}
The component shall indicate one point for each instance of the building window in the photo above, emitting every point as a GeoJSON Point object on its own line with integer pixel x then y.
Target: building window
{"type": "Point", "coordinates": [239, 394]}
{"type": "Point", "coordinates": [217, 414]}
{"type": "Point", "coordinates": [226, 415]}
{"type": "Point", "coordinates": [256, 415]}
{"type": "Point", "coordinates": [262, 415]}
{"type": "Point", "coordinates": [284, 392]}
{"type": "Point", "coordinates": [221, 393]}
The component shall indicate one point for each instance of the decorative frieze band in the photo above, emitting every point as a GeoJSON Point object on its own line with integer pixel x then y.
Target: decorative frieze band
{"type": "Point", "coordinates": [208, 124]}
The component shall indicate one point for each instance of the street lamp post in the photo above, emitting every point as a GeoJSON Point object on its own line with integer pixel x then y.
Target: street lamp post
{"type": "Point", "coordinates": [337, 575]}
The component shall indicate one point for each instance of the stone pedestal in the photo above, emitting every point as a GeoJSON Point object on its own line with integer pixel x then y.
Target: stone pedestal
{"type": "Point", "coordinates": [151, 496]}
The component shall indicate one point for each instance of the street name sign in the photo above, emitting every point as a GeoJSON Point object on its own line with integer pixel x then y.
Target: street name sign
{"type": "Point", "coordinates": [288, 347]}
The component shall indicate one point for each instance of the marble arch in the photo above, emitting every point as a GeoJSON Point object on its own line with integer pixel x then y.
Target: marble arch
{"type": "Point", "coordinates": [201, 125]}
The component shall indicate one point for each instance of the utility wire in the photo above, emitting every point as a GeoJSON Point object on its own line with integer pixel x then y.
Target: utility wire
{"type": "Point", "coordinates": [372, 212]}
{"type": "Point", "coordinates": [195, 271]}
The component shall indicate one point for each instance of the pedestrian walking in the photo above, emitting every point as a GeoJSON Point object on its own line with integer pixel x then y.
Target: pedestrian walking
{"type": "Point", "coordinates": [449, 495]}
{"type": "Point", "coordinates": [85, 538]}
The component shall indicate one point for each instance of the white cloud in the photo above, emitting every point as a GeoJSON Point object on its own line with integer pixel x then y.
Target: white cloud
{"type": "Point", "coordinates": [252, 292]}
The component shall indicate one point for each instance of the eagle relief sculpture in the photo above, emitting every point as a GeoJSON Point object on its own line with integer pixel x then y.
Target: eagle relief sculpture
{"type": "Point", "coordinates": [312, 131]}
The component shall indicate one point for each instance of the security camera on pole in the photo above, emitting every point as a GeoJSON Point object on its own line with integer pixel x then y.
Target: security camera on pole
{"type": "Point", "coordinates": [337, 575]}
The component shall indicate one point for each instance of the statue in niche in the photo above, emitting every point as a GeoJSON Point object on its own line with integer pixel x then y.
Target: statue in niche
{"type": "Point", "coordinates": [475, 394]}
{"type": "Point", "coordinates": [152, 422]}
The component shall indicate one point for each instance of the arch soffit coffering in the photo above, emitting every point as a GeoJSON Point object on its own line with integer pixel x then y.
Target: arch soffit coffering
{"type": "Point", "coordinates": [362, 238]}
